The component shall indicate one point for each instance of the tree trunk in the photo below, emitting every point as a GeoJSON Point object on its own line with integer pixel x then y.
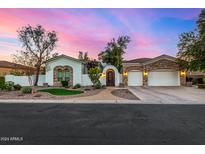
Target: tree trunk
{"type": "Point", "coordinates": [37, 76]}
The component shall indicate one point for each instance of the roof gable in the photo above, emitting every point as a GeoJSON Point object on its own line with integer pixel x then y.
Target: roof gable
{"type": "Point", "coordinates": [150, 60]}
{"type": "Point", "coordinates": [167, 57]}
{"type": "Point", "coordinates": [66, 57]}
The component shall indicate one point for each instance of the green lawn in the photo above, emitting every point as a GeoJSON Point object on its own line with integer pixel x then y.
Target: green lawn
{"type": "Point", "coordinates": [60, 91]}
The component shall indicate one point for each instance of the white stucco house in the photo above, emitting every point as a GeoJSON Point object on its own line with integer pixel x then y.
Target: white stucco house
{"type": "Point", "coordinates": [159, 71]}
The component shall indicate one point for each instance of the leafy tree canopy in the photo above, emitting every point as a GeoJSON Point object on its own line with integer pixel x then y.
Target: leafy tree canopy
{"type": "Point", "coordinates": [191, 47]}
{"type": "Point", "coordinates": [113, 53]}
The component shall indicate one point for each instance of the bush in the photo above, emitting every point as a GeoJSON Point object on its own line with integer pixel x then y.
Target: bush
{"type": "Point", "coordinates": [201, 85]}
{"type": "Point", "coordinates": [2, 82]}
{"type": "Point", "coordinates": [98, 85]}
{"type": "Point", "coordinates": [203, 80]}
{"type": "Point", "coordinates": [77, 86]}
{"type": "Point", "coordinates": [94, 75]}
{"type": "Point", "coordinates": [26, 90]}
{"type": "Point", "coordinates": [17, 87]}
{"type": "Point", "coordinates": [9, 85]}
{"type": "Point", "coordinates": [64, 83]}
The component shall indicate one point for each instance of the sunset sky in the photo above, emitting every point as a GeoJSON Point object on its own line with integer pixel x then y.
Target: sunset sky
{"type": "Point", "coordinates": [152, 31]}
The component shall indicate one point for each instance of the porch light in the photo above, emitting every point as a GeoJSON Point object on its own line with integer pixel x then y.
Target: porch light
{"type": "Point", "coordinates": [103, 75]}
{"type": "Point", "coordinates": [145, 73]}
{"type": "Point", "coordinates": [125, 74]}
{"type": "Point", "coordinates": [182, 73]}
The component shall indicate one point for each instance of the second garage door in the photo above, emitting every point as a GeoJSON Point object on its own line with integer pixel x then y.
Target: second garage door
{"type": "Point", "coordinates": [135, 78]}
{"type": "Point", "coordinates": [163, 78]}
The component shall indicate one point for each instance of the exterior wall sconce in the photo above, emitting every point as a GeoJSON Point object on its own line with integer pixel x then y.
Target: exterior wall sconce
{"type": "Point", "coordinates": [125, 74]}
{"type": "Point", "coordinates": [103, 75]}
{"type": "Point", "coordinates": [183, 73]}
{"type": "Point", "coordinates": [145, 73]}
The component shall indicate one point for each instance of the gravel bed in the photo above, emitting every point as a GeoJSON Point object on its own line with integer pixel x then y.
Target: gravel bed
{"type": "Point", "coordinates": [124, 93]}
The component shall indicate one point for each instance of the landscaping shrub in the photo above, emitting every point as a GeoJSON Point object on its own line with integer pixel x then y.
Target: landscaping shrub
{"type": "Point", "coordinates": [201, 85]}
{"type": "Point", "coordinates": [17, 87]}
{"type": "Point", "coordinates": [77, 86]}
{"type": "Point", "coordinates": [203, 80]}
{"type": "Point", "coordinates": [9, 85]}
{"type": "Point", "coordinates": [64, 83]}
{"type": "Point", "coordinates": [94, 75]}
{"type": "Point", "coordinates": [98, 85]}
{"type": "Point", "coordinates": [2, 82]}
{"type": "Point", "coordinates": [26, 90]}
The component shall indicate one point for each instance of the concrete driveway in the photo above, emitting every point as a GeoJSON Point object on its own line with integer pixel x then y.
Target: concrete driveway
{"type": "Point", "coordinates": [170, 95]}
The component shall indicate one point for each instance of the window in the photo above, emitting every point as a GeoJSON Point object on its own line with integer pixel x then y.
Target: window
{"type": "Point", "coordinates": [67, 75]}
{"type": "Point", "coordinates": [60, 75]}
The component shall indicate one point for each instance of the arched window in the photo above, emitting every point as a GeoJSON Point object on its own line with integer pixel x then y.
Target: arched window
{"type": "Point", "coordinates": [60, 75]}
{"type": "Point", "coordinates": [67, 75]}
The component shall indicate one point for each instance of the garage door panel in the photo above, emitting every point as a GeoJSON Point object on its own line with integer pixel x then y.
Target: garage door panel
{"type": "Point", "coordinates": [135, 79]}
{"type": "Point", "coordinates": [163, 79]}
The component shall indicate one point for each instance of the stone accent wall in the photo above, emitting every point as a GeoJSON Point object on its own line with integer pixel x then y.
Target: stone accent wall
{"type": "Point", "coordinates": [162, 64]}
{"type": "Point", "coordinates": [183, 80]}
{"type": "Point", "coordinates": [55, 75]}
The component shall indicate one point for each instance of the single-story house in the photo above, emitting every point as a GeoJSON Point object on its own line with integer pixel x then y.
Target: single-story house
{"type": "Point", "coordinates": [159, 71]}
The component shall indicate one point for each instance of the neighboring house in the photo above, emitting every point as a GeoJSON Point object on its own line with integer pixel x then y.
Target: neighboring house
{"type": "Point", "coordinates": [159, 71]}
{"type": "Point", "coordinates": [9, 67]}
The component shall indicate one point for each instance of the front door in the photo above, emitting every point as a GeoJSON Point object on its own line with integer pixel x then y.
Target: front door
{"type": "Point", "coordinates": [110, 78]}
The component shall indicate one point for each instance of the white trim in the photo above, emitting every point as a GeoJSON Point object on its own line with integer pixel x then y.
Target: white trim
{"type": "Point", "coordinates": [117, 75]}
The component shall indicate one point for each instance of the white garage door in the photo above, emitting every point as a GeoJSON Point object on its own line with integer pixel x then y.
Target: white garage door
{"type": "Point", "coordinates": [163, 79]}
{"type": "Point", "coordinates": [134, 78]}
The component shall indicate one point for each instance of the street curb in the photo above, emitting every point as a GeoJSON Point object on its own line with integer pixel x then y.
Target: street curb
{"type": "Point", "coordinates": [70, 101]}
{"type": "Point", "coordinates": [73, 101]}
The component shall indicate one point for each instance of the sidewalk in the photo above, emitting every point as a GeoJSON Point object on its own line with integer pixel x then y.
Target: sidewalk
{"type": "Point", "coordinates": [72, 101]}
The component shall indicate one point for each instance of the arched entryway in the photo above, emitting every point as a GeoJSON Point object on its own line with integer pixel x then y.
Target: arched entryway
{"type": "Point", "coordinates": [110, 77]}
{"type": "Point", "coordinates": [63, 73]}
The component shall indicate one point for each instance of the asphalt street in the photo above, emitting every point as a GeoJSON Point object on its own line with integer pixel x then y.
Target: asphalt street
{"type": "Point", "coordinates": [45, 123]}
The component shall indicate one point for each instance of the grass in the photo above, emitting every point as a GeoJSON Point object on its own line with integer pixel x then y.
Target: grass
{"type": "Point", "coordinates": [61, 91]}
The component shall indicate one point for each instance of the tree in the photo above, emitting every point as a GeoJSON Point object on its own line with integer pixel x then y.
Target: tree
{"type": "Point", "coordinates": [83, 56]}
{"type": "Point", "coordinates": [89, 63]}
{"type": "Point", "coordinates": [25, 59]}
{"type": "Point", "coordinates": [38, 44]}
{"type": "Point", "coordinates": [113, 53]}
{"type": "Point", "coordinates": [191, 47]}
{"type": "Point", "coordinates": [94, 75]}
